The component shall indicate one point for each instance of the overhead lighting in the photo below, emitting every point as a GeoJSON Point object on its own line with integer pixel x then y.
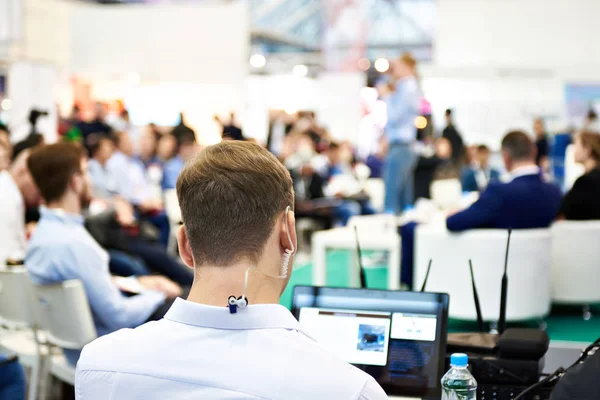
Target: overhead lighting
{"type": "Point", "coordinates": [364, 64]}
{"type": "Point", "coordinates": [258, 61]}
{"type": "Point", "coordinates": [421, 122]}
{"type": "Point", "coordinates": [290, 111]}
{"type": "Point", "coordinates": [6, 104]}
{"type": "Point", "coordinates": [300, 70]}
{"type": "Point", "coordinates": [382, 65]}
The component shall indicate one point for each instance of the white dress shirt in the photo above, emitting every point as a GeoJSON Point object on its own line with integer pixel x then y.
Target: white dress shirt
{"type": "Point", "coordinates": [204, 352]}
{"type": "Point", "coordinates": [12, 220]}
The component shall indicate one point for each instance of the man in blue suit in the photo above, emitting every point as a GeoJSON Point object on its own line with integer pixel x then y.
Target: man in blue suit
{"type": "Point", "coordinates": [525, 202]}
{"type": "Point", "coordinates": [475, 178]}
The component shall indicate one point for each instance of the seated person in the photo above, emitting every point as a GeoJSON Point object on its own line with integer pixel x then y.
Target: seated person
{"type": "Point", "coordinates": [438, 166]}
{"type": "Point", "coordinates": [239, 235]}
{"type": "Point", "coordinates": [582, 202]}
{"type": "Point", "coordinates": [310, 172]}
{"type": "Point", "coordinates": [18, 192]}
{"type": "Point", "coordinates": [132, 184]}
{"type": "Point", "coordinates": [12, 378]}
{"type": "Point", "coordinates": [476, 176]}
{"type": "Point", "coordinates": [526, 202]}
{"type": "Point", "coordinates": [103, 184]}
{"type": "Point", "coordinates": [172, 168]}
{"type": "Point", "coordinates": [61, 249]}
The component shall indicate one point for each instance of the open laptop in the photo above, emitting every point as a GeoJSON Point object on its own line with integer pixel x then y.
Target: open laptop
{"type": "Point", "coordinates": [399, 338]}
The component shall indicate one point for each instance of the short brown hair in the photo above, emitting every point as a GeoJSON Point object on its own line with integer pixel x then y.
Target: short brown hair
{"type": "Point", "coordinates": [519, 145]}
{"type": "Point", "coordinates": [409, 60]}
{"type": "Point", "coordinates": [591, 141]}
{"type": "Point", "coordinates": [230, 195]}
{"type": "Point", "coordinates": [53, 166]}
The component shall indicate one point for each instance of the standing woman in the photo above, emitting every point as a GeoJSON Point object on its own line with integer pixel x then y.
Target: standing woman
{"type": "Point", "coordinates": [402, 96]}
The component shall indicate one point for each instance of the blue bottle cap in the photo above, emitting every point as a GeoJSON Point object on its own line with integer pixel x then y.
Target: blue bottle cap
{"type": "Point", "coordinates": [459, 360]}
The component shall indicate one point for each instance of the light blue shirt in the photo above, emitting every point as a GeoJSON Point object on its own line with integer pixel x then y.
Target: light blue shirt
{"type": "Point", "coordinates": [403, 107]}
{"type": "Point", "coordinates": [103, 184]}
{"type": "Point", "coordinates": [129, 174]}
{"type": "Point", "coordinates": [204, 352]}
{"type": "Point", "coordinates": [171, 172]}
{"type": "Point", "coordinates": [61, 249]}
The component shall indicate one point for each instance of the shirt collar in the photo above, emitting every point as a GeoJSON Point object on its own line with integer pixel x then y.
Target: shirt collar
{"type": "Point", "coordinates": [259, 316]}
{"type": "Point", "coordinates": [524, 171]}
{"type": "Point", "coordinates": [59, 214]}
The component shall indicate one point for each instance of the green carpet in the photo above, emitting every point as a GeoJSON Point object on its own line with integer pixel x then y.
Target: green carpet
{"type": "Point", "coordinates": [564, 323]}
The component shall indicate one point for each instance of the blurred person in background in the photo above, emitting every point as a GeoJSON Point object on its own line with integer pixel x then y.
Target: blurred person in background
{"type": "Point", "coordinates": [182, 130]}
{"type": "Point", "coordinates": [12, 378]}
{"type": "Point", "coordinates": [402, 96]}
{"type": "Point", "coordinates": [96, 128]}
{"type": "Point", "coordinates": [230, 131]}
{"type": "Point", "coordinates": [148, 143]}
{"type": "Point", "coordinates": [591, 121]}
{"type": "Point", "coordinates": [172, 168]}
{"type": "Point", "coordinates": [18, 191]}
{"type": "Point", "coordinates": [542, 145]}
{"type": "Point", "coordinates": [133, 184]}
{"type": "Point", "coordinates": [476, 176]}
{"type": "Point", "coordinates": [456, 141]}
{"type": "Point", "coordinates": [435, 166]}
{"type": "Point", "coordinates": [582, 202]}
{"type": "Point", "coordinates": [165, 148]}
{"type": "Point", "coordinates": [61, 249]}
{"type": "Point", "coordinates": [34, 138]}
{"type": "Point", "coordinates": [103, 184]}
{"type": "Point", "coordinates": [5, 153]}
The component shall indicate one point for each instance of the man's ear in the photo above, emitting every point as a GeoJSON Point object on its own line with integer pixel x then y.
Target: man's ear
{"type": "Point", "coordinates": [185, 250]}
{"type": "Point", "coordinates": [288, 224]}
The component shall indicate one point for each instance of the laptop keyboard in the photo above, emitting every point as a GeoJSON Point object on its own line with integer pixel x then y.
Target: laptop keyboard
{"type": "Point", "coordinates": [504, 392]}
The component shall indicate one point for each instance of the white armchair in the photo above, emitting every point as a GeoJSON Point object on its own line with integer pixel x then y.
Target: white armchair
{"type": "Point", "coordinates": [576, 262]}
{"type": "Point", "coordinates": [528, 270]}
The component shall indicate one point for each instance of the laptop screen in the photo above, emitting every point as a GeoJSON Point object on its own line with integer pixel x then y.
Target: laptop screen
{"type": "Point", "coordinates": [399, 338]}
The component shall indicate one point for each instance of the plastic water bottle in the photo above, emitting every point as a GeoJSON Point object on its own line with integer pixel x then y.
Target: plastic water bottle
{"type": "Point", "coordinates": [458, 383]}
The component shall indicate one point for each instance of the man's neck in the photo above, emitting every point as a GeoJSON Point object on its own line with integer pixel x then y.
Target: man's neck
{"type": "Point", "coordinates": [590, 165]}
{"type": "Point", "coordinates": [69, 204]}
{"type": "Point", "coordinates": [101, 162]}
{"type": "Point", "coordinates": [213, 286]}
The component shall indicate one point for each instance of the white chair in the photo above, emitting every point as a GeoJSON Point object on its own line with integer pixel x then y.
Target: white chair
{"type": "Point", "coordinates": [68, 320]}
{"type": "Point", "coordinates": [344, 238]}
{"type": "Point", "coordinates": [446, 193]}
{"type": "Point", "coordinates": [576, 262]}
{"type": "Point", "coordinates": [175, 219]}
{"type": "Point", "coordinates": [528, 270]}
{"type": "Point", "coordinates": [375, 188]}
{"type": "Point", "coordinates": [18, 315]}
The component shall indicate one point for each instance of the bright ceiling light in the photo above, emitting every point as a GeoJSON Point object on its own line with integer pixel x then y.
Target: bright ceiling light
{"type": "Point", "coordinates": [382, 65]}
{"type": "Point", "coordinates": [258, 61]}
{"type": "Point", "coordinates": [6, 104]}
{"type": "Point", "coordinates": [364, 64]}
{"type": "Point", "coordinates": [300, 70]}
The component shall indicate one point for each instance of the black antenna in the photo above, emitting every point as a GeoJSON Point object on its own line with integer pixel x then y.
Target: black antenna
{"type": "Point", "coordinates": [504, 290]}
{"type": "Point", "coordinates": [426, 275]}
{"type": "Point", "coordinates": [363, 278]}
{"type": "Point", "coordinates": [476, 298]}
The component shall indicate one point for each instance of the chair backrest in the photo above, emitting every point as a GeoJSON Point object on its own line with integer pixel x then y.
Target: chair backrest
{"type": "Point", "coordinates": [576, 262]}
{"type": "Point", "coordinates": [529, 268]}
{"type": "Point", "coordinates": [375, 188]}
{"type": "Point", "coordinates": [374, 223]}
{"type": "Point", "coordinates": [66, 314]}
{"type": "Point", "coordinates": [446, 193]}
{"type": "Point", "coordinates": [16, 299]}
{"type": "Point", "coordinates": [172, 206]}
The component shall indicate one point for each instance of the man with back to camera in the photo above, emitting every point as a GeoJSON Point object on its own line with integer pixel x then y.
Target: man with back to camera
{"type": "Point", "coordinates": [525, 202]}
{"type": "Point", "coordinates": [239, 236]}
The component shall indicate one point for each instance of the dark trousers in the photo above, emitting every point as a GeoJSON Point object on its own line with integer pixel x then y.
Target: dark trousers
{"type": "Point", "coordinates": [12, 379]}
{"type": "Point", "coordinates": [161, 222]}
{"type": "Point", "coordinates": [157, 260]}
{"type": "Point", "coordinates": [407, 235]}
